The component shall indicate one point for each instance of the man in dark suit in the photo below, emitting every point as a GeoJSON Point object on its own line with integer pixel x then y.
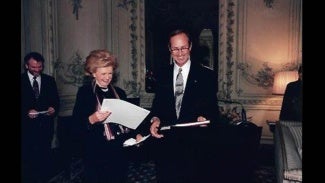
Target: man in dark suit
{"type": "Point", "coordinates": [39, 106]}
{"type": "Point", "coordinates": [291, 108]}
{"type": "Point", "coordinates": [183, 154]}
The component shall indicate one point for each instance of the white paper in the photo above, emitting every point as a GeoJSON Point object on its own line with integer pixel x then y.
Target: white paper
{"type": "Point", "coordinates": [132, 141]}
{"type": "Point", "coordinates": [39, 112]}
{"type": "Point", "coordinates": [165, 128]}
{"type": "Point", "coordinates": [192, 124]}
{"type": "Point", "coordinates": [124, 113]}
{"type": "Point", "coordinates": [186, 124]}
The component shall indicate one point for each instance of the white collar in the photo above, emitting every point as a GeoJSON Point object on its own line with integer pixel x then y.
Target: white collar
{"type": "Point", "coordinates": [31, 77]}
{"type": "Point", "coordinates": [185, 67]}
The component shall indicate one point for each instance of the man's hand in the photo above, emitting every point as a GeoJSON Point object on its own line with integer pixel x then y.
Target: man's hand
{"type": "Point", "coordinates": [50, 111]}
{"type": "Point", "coordinates": [200, 119]}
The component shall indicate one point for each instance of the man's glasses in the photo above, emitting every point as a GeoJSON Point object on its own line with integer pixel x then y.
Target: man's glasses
{"type": "Point", "coordinates": [176, 50]}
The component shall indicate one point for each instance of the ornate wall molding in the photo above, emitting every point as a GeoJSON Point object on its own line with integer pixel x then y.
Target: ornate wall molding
{"type": "Point", "coordinates": [236, 70]}
{"type": "Point", "coordinates": [269, 3]}
{"type": "Point", "coordinates": [142, 61]}
{"type": "Point", "coordinates": [76, 5]}
{"type": "Point", "coordinates": [226, 48]}
{"type": "Point", "coordinates": [134, 86]}
{"type": "Point", "coordinates": [50, 35]}
{"type": "Point", "coordinates": [230, 48]}
{"type": "Point", "coordinates": [257, 103]}
{"type": "Point", "coordinates": [71, 72]}
{"type": "Point", "coordinates": [264, 77]}
{"type": "Point", "coordinates": [295, 41]}
{"type": "Point", "coordinates": [146, 98]}
{"type": "Point", "coordinates": [125, 4]}
{"type": "Point", "coordinates": [256, 67]}
{"type": "Point", "coordinates": [222, 56]}
{"type": "Point", "coordinates": [39, 31]}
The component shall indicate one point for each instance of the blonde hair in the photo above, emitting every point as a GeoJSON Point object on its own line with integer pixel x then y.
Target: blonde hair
{"type": "Point", "coordinates": [98, 59]}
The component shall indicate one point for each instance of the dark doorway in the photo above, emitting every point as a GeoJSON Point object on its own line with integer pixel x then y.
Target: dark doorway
{"type": "Point", "coordinates": [163, 16]}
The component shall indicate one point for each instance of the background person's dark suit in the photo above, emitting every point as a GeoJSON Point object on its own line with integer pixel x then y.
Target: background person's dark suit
{"type": "Point", "coordinates": [37, 133]}
{"type": "Point", "coordinates": [291, 108]}
{"type": "Point", "coordinates": [183, 154]}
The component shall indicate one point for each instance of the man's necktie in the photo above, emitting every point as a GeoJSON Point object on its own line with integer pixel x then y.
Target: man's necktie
{"type": "Point", "coordinates": [35, 87]}
{"type": "Point", "coordinates": [179, 90]}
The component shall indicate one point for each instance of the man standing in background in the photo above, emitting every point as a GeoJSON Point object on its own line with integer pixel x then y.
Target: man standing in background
{"type": "Point", "coordinates": [291, 108]}
{"type": "Point", "coordinates": [39, 106]}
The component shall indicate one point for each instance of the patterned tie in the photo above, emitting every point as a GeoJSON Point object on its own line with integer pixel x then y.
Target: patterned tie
{"type": "Point", "coordinates": [35, 87]}
{"type": "Point", "coordinates": [179, 90]}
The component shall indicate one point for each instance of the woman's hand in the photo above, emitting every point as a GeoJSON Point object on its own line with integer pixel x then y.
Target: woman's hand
{"type": "Point", "coordinates": [98, 116]}
{"type": "Point", "coordinates": [155, 127]}
{"type": "Point", "coordinates": [32, 113]}
{"type": "Point", "coordinates": [138, 137]}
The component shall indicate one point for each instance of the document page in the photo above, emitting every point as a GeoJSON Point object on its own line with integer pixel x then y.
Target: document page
{"type": "Point", "coordinates": [124, 113]}
{"type": "Point", "coordinates": [186, 124]}
{"type": "Point", "coordinates": [132, 141]}
{"type": "Point", "coordinates": [192, 124]}
{"type": "Point", "coordinates": [39, 112]}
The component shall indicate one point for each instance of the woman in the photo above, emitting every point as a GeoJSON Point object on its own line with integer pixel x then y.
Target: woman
{"type": "Point", "coordinates": [104, 156]}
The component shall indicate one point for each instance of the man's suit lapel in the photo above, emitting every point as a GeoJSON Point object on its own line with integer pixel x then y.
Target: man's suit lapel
{"type": "Point", "coordinates": [170, 82]}
{"type": "Point", "coordinates": [170, 91]}
{"type": "Point", "coordinates": [28, 85]}
{"type": "Point", "coordinates": [42, 86]}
